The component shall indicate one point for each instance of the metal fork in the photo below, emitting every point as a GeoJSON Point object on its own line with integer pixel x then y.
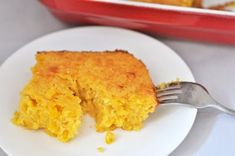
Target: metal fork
{"type": "Point", "coordinates": [189, 93]}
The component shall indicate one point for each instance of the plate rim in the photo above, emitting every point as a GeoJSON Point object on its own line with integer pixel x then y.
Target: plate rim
{"type": "Point", "coordinates": [106, 27]}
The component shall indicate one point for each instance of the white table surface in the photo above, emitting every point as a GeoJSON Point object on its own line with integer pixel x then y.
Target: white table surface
{"type": "Point", "coordinates": [213, 65]}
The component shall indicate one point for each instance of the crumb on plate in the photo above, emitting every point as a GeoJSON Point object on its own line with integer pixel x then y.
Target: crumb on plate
{"type": "Point", "coordinates": [164, 85]}
{"type": "Point", "coordinates": [109, 137]}
{"type": "Point", "coordinates": [100, 149]}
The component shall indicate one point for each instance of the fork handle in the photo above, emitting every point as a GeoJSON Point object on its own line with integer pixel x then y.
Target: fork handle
{"type": "Point", "coordinates": [224, 109]}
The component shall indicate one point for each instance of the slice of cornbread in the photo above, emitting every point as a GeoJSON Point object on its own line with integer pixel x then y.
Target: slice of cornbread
{"type": "Point", "coordinates": [113, 87]}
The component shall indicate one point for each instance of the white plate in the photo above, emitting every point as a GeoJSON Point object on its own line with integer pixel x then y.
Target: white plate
{"type": "Point", "coordinates": [162, 132]}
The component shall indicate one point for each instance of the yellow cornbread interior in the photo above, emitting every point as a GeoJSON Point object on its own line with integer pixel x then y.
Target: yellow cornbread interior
{"type": "Point", "coordinates": [113, 87]}
{"type": "Point", "coordinates": [48, 103]}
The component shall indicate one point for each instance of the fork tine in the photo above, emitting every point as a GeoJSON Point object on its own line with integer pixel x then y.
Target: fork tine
{"type": "Point", "coordinates": [168, 98]}
{"type": "Point", "coordinates": [168, 101]}
{"type": "Point", "coordinates": [169, 92]}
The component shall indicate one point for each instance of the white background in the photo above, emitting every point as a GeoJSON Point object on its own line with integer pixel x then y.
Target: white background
{"type": "Point", "coordinates": [213, 65]}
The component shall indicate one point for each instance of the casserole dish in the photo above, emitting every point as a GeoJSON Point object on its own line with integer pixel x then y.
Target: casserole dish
{"type": "Point", "coordinates": [164, 20]}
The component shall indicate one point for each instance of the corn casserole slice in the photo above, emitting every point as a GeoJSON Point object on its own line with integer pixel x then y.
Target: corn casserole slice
{"type": "Point", "coordinates": [112, 86]}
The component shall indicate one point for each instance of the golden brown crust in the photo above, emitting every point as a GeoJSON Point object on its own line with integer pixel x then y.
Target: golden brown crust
{"type": "Point", "coordinates": [197, 3]}
{"type": "Point", "coordinates": [108, 58]}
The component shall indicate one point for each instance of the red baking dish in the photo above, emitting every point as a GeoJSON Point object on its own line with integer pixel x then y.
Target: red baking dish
{"type": "Point", "coordinates": [164, 20]}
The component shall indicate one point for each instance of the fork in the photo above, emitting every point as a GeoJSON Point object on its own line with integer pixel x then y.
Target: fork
{"type": "Point", "coordinates": [189, 93]}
